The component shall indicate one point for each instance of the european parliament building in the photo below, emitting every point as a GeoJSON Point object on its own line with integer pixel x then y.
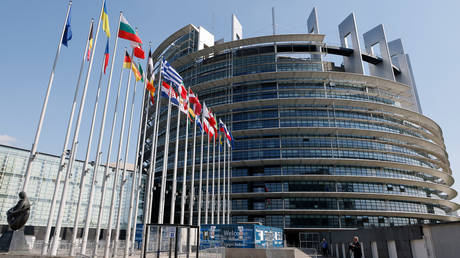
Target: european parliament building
{"type": "Point", "coordinates": [319, 145]}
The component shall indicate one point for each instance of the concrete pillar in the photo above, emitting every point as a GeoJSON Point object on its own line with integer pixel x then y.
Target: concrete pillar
{"type": "Point", "coordinates": [362, 249]}
{"type": "Point", "coordinates": [375, 253]}
{"type": "Point", "coordinates": [392, 249]}
{"type": "Point", "coordinates": [382, 249]}
{"type": "Point", "coordinates": [418, 248]}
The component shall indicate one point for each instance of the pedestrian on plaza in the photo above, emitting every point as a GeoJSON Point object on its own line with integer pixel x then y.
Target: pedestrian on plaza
{"type": "Point", "coordinates": [355, 248]}
{"type": "Point", "coordinates": [324, 246]}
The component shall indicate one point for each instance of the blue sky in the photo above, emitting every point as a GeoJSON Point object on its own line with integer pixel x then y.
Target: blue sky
{"type": "Point", "coordinates": [429, 31]}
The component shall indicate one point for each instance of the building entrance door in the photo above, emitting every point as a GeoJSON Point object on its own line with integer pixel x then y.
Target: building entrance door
{"type": "Point", "coordinates": [309, 240]}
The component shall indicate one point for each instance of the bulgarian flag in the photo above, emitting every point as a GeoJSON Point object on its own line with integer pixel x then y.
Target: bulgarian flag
{"type": "Point", "coordinates": [127, 32]}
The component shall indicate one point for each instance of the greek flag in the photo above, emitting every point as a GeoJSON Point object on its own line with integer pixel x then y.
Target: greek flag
{"type": "Point", "coordinates": [170, 74]}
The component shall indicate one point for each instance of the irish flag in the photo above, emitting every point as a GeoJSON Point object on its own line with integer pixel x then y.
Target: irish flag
{"type": "Point", "coordinates": [127, 32]}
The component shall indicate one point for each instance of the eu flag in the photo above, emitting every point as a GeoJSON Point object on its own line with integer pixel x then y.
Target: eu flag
{"type": "Point", "coordinates": [67, 32]}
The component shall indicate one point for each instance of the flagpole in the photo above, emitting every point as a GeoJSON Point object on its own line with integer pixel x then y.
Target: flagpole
{"type": "Point", "coordinates": [184, 177]}
{"type": "Point", "coordinates": [140, 162]}
{"type": "Point", "coordinates": [218, 182]}
{"type": "Point", "coordinates": [151, 172]}
{"type": "Point", "coordinates": [207, 186]}
{"type": "Point", "coordinates": [64, 150]}
{"type": "Point", "coordinates": [74, 146]}
{"type": "Point", "coordinates": [229, 185]}
{"type": "Point", "coordinates": [124, 179]}
{"type": "Point", "coordinates": [223, 182]}
{"type": "Point", "coordinates": [176, 157]}
{"type": "Point", "coordinates": [200, 190]}
{"type": "Point", "coordinates": [107, 166]}
{"type": "Point", "coordinates": [192, 181]}
{"type": "Point", "coordinates": [45, 104]}
{"type": "Point", "coordinates": [165, 164]}
{"type": "Point", "coordinates": [141, 168]}
{"type": "Point", "coordinates": [133, 186]}
{"type": "Point", "coordinates": [142, 130]}
{"type": "Point", "coordinates": [85, 169]}
{"type": "Point", "coordinates": [192, 188]}
{"type": "Point", "coordinates": [117, 169]}
{"type": "Point", "coordinates": [213, 177]}
{"type": "Point", "coordinates": [98, 150]}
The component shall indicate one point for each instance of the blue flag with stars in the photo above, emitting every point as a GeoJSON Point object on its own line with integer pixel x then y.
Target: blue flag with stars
{"type": "Point", "coordinates": [67, 32]}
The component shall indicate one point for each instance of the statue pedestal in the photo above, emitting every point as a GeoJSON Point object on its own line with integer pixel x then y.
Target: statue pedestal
{"type": "Point", "coordinates": [12, 241]}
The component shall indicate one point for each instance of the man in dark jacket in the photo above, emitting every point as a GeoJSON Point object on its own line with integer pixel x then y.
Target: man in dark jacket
{"type": "Point", "coordinates": [355, 248]}
{"type": "Point", "coordinates": [324, 247]}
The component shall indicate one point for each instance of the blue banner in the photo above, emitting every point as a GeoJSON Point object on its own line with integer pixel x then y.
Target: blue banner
{"type": "Point", "coordinates": [240, 236]}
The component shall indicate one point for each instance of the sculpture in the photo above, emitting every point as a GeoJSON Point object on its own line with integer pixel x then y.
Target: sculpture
{"type": "Point", "coordinates": [19, 214]}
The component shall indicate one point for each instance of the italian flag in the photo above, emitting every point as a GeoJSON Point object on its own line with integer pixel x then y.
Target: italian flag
{"type": "Point", "coordinates": [127, 32]}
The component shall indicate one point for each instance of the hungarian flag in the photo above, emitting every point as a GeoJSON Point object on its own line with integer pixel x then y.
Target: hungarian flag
{"type": "Point", "coordinates": [106, 55]}
{"type": "Point", "coordinates": [138, 51]}
{"type": "Point", "coordinates": [90, 42]}
{"type": "Point", "coordinates": [127, 61]}
{"type": "Point", "coordinates": [127, 32]}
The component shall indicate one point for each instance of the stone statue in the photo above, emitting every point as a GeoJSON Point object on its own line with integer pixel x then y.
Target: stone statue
{"type": "Point", "coordinates": [19, 214]}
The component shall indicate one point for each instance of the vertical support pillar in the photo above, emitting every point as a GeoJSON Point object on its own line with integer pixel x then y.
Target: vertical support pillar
{"type": "Point", "coordinates": [401, 60]}
{"type": "Point", "coordinates": [353, 63]}
{"type": "Point", "coordinates": [237, 29]}
{"type": "Point", "coordinates": [373, 37]}
{"type": "Point", "coordinates": [313, 27]}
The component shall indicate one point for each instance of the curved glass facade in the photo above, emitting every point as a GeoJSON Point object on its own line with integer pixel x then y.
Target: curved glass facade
{"type": "Point", "coordinates": [315, 147]}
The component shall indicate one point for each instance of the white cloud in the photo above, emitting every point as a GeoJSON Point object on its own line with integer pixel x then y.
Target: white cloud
{"type": "Point", "coordinates": [6, 139]}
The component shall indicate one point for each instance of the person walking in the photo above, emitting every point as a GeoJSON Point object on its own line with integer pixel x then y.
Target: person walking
{"type": "Point", "coordinates": [324, 247]}
{"type": "Point", "coordinates": [355, 248]}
